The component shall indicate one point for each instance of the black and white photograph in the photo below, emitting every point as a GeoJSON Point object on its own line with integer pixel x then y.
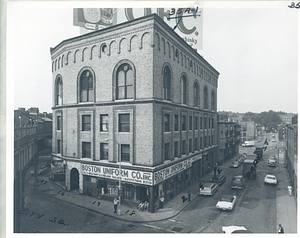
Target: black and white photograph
{"type": "Point", "coordinates": [128, 117]}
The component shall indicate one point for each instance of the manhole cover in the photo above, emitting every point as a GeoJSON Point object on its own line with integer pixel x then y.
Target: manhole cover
{"type": "Point", "coordinates": [130, 225]}
{"type": "Point", "coordinates": [177, 229]}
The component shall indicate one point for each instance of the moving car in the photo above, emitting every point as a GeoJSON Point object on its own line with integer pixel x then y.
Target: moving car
{"type": "Point", "coordinates": [226, 202]}
{"type": "Point", "coordinates": [272, 161]}
{"type": "Point", "coordinates": [209, 189]}
{"type": "Point", "coordinates": [270, 179]}
{"type": "Point", "coordinates": [219, 179]}
{"type": "Point", "coordinates": [235, 229]}
{"type": "Point", "coordinates": [238, 182]}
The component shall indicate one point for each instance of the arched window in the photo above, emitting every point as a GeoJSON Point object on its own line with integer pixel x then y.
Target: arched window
{"type": "Point", "coordinates": [196, 95]}
{"type": "Point", "coordinates": [205, 95]}
{"type": "Point", "coordinates": [125, 80]}
{"type": "Point", "coordinates": [183, 90]}
{"type": "Point", "coordinates": [58, 91]}
{"type": "Point", "coordinates": [86, 86]}
{"type": "Point", "coordinates": [167, 83]}
{"type": "Point", "coordinates": [212, 100]}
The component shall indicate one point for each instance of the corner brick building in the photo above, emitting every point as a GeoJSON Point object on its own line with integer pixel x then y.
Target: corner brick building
{"type": "Point", "coordinates": [135, 92]}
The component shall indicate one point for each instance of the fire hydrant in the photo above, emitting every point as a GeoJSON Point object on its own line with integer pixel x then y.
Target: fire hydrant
{"type": "Point", "coordinates": [290, 189]}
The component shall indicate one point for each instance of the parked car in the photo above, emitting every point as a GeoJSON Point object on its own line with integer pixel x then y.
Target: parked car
{"type": "Point", "coordinates": [209, 189]}
{"type": "Point", "coordinates": [219, 179]}
{"type": "Point", "coordinates": [226, 202]}
{"type": "Point", "coordinates": [235, 164]}
{"type": "Point", "coordinates": [238, 182]}
{"type": "Point", "coordinates": [270, 179]}
{"type": "Point", "coordinates": [235, 229]}
{"type": "Point", "coordinates": [273, 140]}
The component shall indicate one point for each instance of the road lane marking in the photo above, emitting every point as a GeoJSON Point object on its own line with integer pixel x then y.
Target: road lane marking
{"type": "Point", "coordinates": [159, 228]}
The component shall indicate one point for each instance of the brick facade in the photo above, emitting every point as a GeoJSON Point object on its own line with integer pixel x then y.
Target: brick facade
{"type": "Point", "coordinates": [149, 48]}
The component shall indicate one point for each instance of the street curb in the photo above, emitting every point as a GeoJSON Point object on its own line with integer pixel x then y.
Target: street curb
{"type": "Point", "coordinates": [49, 195]}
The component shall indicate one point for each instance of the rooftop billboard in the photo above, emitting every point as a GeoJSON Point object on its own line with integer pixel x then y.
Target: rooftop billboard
{"type": "Point", "coordinates": [186, 22]}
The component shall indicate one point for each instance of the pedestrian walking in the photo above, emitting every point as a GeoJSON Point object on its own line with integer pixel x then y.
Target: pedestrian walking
{"type": "Point", "coordinates": [280, 229]}
{"type": "Point", "coordinates": [116, 201]}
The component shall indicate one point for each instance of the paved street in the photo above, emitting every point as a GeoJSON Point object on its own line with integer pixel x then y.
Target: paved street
{"type": "Point", "coordinates": [255, 209]}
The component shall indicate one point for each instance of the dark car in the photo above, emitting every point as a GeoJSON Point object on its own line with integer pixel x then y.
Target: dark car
{"type": "Point", "coordinates": [238, 182]}
{"type": "Point", "coordinates": [219, 179]}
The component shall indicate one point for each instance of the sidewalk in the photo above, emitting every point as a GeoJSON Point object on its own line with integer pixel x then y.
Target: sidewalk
{"type": "Point", "coordinates": [286, 205]}
{"type": "Point", "coordinates": [129, 210]}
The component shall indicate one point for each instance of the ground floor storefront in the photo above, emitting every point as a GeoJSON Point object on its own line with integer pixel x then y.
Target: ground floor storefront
{"type": "Point", "coordinates": [155, 186]}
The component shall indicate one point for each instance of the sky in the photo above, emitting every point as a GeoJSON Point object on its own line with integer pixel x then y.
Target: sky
{"type": "Point", "coordinates": [253, 45]}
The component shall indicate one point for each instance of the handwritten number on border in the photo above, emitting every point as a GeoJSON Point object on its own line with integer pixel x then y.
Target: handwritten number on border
{"type": "Point", "coordinates": [293, 5]}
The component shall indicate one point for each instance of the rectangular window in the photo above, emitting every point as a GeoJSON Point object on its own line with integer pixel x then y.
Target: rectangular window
{"type": "Point", "coordinates": [190, 146]}
{"type": "Point", "coordinates": [86, 149]}
{"type": "Point", "coordinates": [58, 123]}
{"type": "Point", "coordinates": [212, 123]}
{"type": "Point", "coordinates": [125, 153]}
{"type": "Point", "coordinates": [201, 143]}
{"type": "Point", "coordinates": [183, 123]}
{"type": "Point", "coordinates": [104, 122]}
{"type": "Point", "coordinates": [212, 139]}
{"type": "Point", "coordinates": [196, 123]}
{"type": "Point", "coordinates": [205, 140]}
{"type": "Point", "coordinates": [183, 147]}
{"type": "Point", "coordinates": [196, 143]}
{"type": "Point", "coordinates": [191, 123]}
{"type": "Point", "coordinates": [176, 149]}
{"type": "Point", "coordinates": [205, 121]}
{"type": "Point", "coordinates": [176, 123]}
{"type": "Point", "coordinates": [86, 122]}
{"type": "Point", "coordinates": [167, 148]}
{"type": "Point", "coordinates": [167, 122]}
{"type": "Point", "coordinates": [208, 123]}
{"type": "Point", "coordinates": [103, 151]}
{"type": "Point", "coordinates": [208, 140]}
{"type": "Point", "coordinates": [124, 122]}
{"type": "Point", "coordinates": [58, 146]}
{"type": "Point", "coordinates": [201, 123]}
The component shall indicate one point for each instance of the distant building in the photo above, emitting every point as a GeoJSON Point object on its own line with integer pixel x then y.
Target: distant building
{"type": "Point", "coordinates": [248, 130]}
{"type": "Point", "coordinates": [32, 133]}
{"type": "Point", "coordinates": [229, 140]}
{"type": "Point", "coordinates": [136, 94]}
{"type": "Point", "coordinates": [291, 141]}
{"type": "Point", "coordinates": [287, 118]}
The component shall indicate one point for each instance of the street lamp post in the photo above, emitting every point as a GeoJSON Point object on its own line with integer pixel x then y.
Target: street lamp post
{"type": "Point", "coordinates": [119, 160]}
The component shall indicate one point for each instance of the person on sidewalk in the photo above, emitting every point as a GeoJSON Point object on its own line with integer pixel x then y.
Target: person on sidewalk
{"type": "Point", "coordinates": [162, 199]}
{"type": "Point", "coordinates": [115, 204]}
{"type": "Point", "coordinates": [280, 229]}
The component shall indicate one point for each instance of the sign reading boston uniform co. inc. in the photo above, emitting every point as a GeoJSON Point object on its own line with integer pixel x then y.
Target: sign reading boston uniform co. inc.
{"type": "Point", "coordinates": [170, 171]}
{"type": "Point", "coordinates": [127, 175]}
{"type": "Point", "coordinates": [186, 21]}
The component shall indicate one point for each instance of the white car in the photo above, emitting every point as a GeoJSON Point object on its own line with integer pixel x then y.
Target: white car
{"type": "Point", "coordinates": [226, 202]}
{"type": "Point", "coordinates": [270, 179]}
{"type": "Point", "coordinates": [273, 140]}
{"type": "Point", "coordinates": [234, 229]}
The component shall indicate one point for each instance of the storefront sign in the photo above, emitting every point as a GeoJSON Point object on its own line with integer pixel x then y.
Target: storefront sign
{"type": "Point", "coordinates": [195, 158]}
{"type": "Point", "coordinates": [127, 175]}
{"type": "Point", "coordinates": [172, 170]}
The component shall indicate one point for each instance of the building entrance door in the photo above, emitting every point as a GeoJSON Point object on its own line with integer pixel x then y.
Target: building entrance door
{"type": "Point", "coordinates": [74, 179]}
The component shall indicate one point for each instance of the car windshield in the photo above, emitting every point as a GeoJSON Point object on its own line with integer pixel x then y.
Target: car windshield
{"type": "Point", "coordinates": [237, 180]}
{"type": "Point", "coordinates": [226, 198]}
